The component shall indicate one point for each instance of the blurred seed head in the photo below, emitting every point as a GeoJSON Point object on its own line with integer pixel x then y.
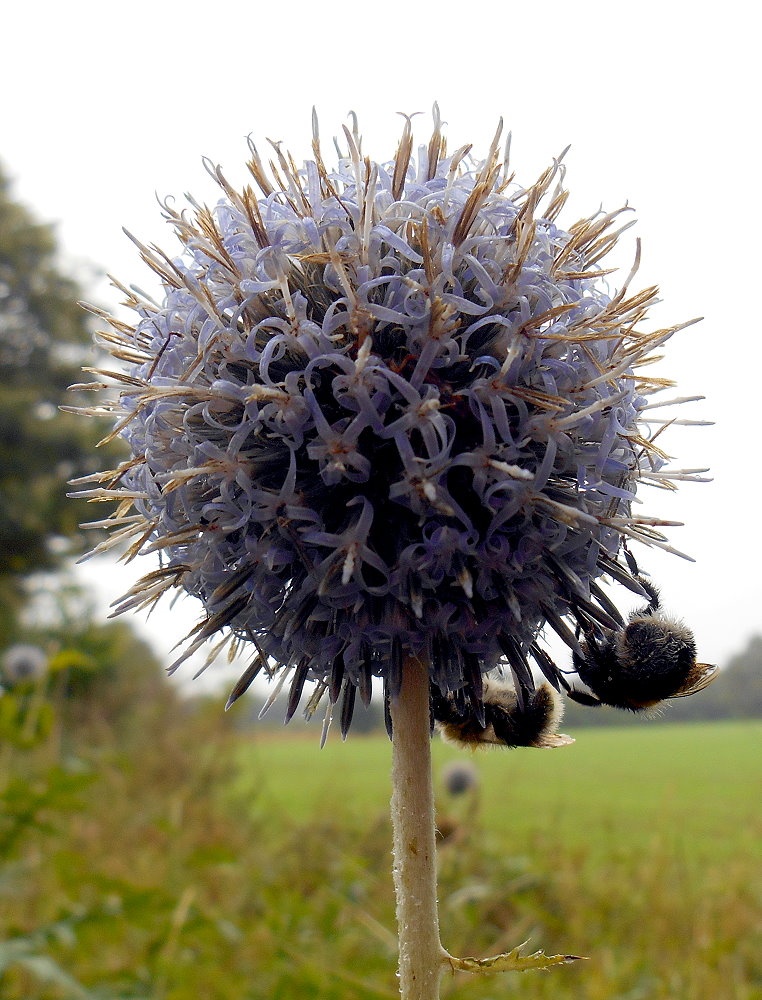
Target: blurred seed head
{"type": "Point", "coordinates": [459, 777]}
{"type": "Point", "coordinates": [22, 664]}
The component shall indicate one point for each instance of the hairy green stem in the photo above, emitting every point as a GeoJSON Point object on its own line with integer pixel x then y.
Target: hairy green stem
{"type": "Point", "coordinates": [415, 878]}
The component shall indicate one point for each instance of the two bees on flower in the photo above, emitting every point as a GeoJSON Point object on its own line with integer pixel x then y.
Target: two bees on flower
{"type": "Point", "coordinates": [648, 659]}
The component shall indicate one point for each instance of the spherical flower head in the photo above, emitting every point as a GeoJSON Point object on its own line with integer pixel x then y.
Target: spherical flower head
{"type": "Point", "coordinates": [385, 410]}
{"type": "Point", "coordinates": [459, 777]}
{"type": "Point", "coordinates": [23, 664]}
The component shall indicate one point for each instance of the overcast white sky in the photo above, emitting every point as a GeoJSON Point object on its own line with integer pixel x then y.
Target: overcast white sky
{"type": "Point", "coordinates": [104, 106]}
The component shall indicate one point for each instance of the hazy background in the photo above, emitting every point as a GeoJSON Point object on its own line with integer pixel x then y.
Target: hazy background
{"type": "Point", "coordinates": [152, 847]}
{"type": "Point", "coordinates": [104, 107]}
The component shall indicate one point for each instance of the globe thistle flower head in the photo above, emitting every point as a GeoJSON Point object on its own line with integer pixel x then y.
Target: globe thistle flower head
{"type": "Point", "coordinates": [385, 410]}
{"type": "Point", "coordinates": [23, 664]}
{"type": "Point", "coordinates": [459, 777]}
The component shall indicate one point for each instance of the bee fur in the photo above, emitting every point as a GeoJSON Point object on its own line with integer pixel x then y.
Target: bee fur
{"type": "Point", "coordinates": [652, 658]}
{"type": "Point", "coordinates": [507, 722]}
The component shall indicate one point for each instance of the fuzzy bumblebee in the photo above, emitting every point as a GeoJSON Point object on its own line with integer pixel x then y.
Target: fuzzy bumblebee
{"type": "Point", "coordinates": [505, 718]}
{"type": "Point", "coordinates": [650, 659]}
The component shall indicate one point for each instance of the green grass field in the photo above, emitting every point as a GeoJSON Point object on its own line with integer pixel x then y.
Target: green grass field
{"type": "Point", "coordinates": [640, 848]}
{"type": "Point", "coordinates": [694, 786]}
{"type": "Point", "coordinates": [173, 858]}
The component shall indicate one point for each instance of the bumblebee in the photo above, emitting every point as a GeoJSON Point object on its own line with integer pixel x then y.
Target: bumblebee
{"type": "Point", "coordinates": [507, 720]}
{"type": "Point", "coordinates": [651, 658]}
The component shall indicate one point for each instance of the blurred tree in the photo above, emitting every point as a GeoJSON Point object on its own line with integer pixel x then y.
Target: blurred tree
{"type": "Point", "coordinates": [44, 340]}
{"type": "Point", "coordinates": [108, 679]}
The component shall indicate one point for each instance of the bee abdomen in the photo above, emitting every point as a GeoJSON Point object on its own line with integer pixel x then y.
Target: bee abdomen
{"type": "Point", "coordinates": [507, 723]}
{"type": "Point", "coordinates": [655, 658]}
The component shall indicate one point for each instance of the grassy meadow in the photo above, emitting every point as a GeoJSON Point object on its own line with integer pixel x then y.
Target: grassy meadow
{"type": "Point", "coordinates": [169, 857]}
{"type": "Point", "coordinates": [641, 849]}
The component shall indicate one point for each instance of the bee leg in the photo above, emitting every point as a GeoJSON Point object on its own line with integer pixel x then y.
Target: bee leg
{"type": "Point", "coordinates": [654, 603]}
{"type": "Point", "coordinates": [583, 698]}
{"type": "Point", "coordinates": [579, 696]}
{"type": "Point", "coordinates": [653, 594]}
{"type": "Point", "coordinates": [592, 665]}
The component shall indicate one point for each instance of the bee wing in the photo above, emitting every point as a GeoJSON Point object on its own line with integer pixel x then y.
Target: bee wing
{"type": "Point", "coordinates": [552, 740]}
{"type": "Point", "coordinates": [700, 677]}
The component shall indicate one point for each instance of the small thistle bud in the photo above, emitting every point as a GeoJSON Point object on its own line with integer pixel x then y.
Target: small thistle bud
{"type": "Point", "coordinates": [23, 664]}
{"type": "Point", "coordinates": [459, 777]}
{"type": "Point", "coordinates": [387, 410]}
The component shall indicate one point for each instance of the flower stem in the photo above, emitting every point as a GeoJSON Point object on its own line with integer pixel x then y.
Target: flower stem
{"type": "Point", "coordinates": [415, 880]}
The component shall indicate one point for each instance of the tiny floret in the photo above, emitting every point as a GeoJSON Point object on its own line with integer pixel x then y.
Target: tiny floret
{"type": "Point", "coordinates": [387, 410]}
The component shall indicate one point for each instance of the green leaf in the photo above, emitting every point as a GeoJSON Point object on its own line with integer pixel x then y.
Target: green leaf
{"type": "Point", "coordinates": [511, 961]}
{"type": "Point", "coordinates": [18, 951]}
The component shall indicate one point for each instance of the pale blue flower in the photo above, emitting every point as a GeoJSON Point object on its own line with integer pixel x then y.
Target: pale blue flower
{"type": "Point", "coordinates": [389, 409]}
